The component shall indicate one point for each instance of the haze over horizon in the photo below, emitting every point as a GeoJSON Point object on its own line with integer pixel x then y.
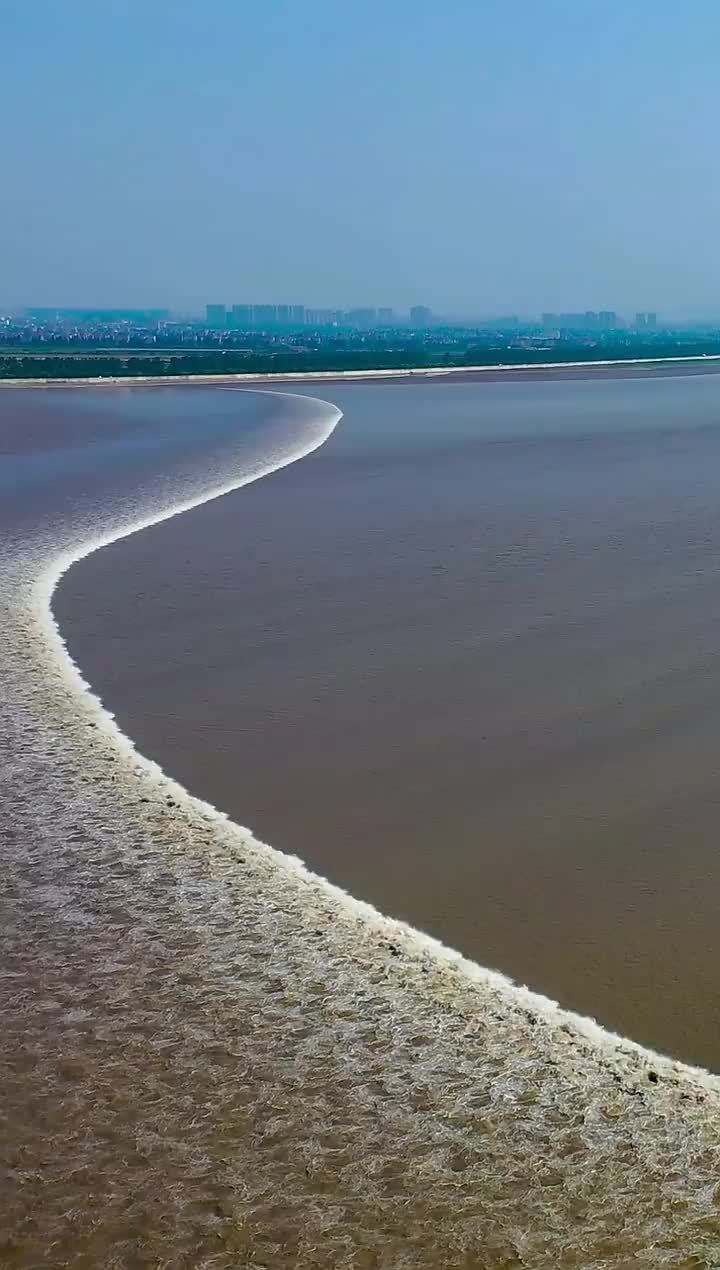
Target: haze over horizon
{"type": "Point", "coordinates": [479, 159]}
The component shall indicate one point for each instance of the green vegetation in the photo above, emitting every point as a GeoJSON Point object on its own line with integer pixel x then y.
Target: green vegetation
{"type": "Point", "coordinates": [28, 364]}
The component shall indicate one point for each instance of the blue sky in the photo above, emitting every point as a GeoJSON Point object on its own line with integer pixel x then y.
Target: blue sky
{"type": "Point", "coordinates": [478, 155]}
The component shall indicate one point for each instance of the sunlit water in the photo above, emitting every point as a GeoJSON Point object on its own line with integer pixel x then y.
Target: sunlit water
{"type": "Point", "coordinates": [212, 1058]}
{"type": "Point", "coordinates": [486, 616]}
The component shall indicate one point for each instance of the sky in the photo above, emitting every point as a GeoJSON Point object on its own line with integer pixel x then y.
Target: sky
{"type": "Point", "coordinates": [481, 156]}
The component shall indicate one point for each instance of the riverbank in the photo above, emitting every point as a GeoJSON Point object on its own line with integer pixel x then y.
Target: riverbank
{"type": "Point", "coordinates": [708, 364]}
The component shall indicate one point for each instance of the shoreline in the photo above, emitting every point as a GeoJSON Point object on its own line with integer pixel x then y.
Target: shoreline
{"type": "Point", "coordinates": [281, 1039]}
{"type": "Point", "coordinates": [420, 948]}
{"type": "Point", "coordinates": [503, 369]}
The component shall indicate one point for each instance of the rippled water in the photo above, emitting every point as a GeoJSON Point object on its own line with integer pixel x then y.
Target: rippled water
{"type": "Point", "coordinates": [211, 1058]}
{"type": "Point", "coordinates": [465, 662]}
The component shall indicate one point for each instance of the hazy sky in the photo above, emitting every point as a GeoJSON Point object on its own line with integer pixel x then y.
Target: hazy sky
{"type": "Point", "coordinates": [482, 156]}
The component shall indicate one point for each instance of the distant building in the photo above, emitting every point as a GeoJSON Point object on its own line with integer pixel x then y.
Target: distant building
{"type": "Point", "coordinates": [138, 317]}
{"type": "Point", "coordinates": [320, 317]}
{"type": "Point", "coordinates": [385, 317]}
{"type": "Point", "coordinates": [364, 319]}
{"type": "Point", "coordinates": [646, 321]}
{"type": "Point", "coordinates": [605, 320]}
{"type": "Point", "coordinates": [215, 314]}
{"type": "Point", "coordinates": [241, 317]}
{"type": "Point", "coordinates": [264, 315]}
{"type": "Point", "coordinates": [298, 314]}
{"type": "Point", "coordinates": [420, 315]}
{"type": "Point", "coordinates": [283, 314]}
{"type": "Point", "coordinates": [578, 321]}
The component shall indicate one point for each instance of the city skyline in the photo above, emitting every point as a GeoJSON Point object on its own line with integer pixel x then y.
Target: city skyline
{"type": "Point", "coordinates": [246, 315]}
{"type": "Point", "coordinates": [239, 314]}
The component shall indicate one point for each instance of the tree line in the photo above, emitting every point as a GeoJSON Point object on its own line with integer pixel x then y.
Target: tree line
{"type": "Point", "coordinates": [31, 365]}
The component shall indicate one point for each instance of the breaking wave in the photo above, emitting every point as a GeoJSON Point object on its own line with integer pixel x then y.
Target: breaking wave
{"type": "Point", "coordinates": [246, 1065]}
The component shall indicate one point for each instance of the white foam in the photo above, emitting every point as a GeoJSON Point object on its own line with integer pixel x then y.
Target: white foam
{"type": "Point", "coordinates": [421, 944]}
{"type": "Point", "coordinates": [329, 1075]}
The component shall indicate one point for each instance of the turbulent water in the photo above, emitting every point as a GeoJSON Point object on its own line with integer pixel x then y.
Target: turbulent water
{"type": "Point", "coordinates": [211, 1057]}
{"type": "Point", "coordinates": [465, 663]}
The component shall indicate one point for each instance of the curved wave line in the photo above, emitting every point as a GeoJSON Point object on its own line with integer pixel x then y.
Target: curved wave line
{"type": "Point", "coordinates": [417, 942]}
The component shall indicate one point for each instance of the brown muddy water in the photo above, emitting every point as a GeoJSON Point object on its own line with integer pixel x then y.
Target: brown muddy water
{"type": "Point", "coordinates": [464, 661]}
{"type": "Point", "coordinates": [460, 658]}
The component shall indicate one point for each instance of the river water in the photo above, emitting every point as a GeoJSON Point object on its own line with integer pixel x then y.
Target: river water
{"type": "Point", "coordinates": [464, 661]}
{"type": "Point", "coordinates": [210, 1057]}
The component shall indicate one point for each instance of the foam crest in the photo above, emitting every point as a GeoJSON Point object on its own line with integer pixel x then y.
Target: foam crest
{"type": "Point", "coordinates": [245, 1065]}
{"type": "Point", "coordinates": [327, 417]}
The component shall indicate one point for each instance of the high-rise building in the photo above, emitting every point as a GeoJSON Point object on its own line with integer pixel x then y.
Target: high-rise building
{"type": "Point", "coordinates": [241, 317]}
{"type": "Point", "coordinates": [362, 318]}
{"type": "Point", "coordinates": [646, 321]}
{"type": "Point", "coordinates": [605, 320]}
{"type": "Point", "coordinates": [385, 317]}
{"type": "Point", "coordinates": [264, 315]}
{"type": "Point", "coordinates": [215, 314]}
{"type": "Point", "coordinates": [420, 315]}
{"type": "Point", "coordinates": [283, 314]}
{"type": "Point", "coordinates": [298, 314]}
{"type": "Point", "coordinates": [320, 317]}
